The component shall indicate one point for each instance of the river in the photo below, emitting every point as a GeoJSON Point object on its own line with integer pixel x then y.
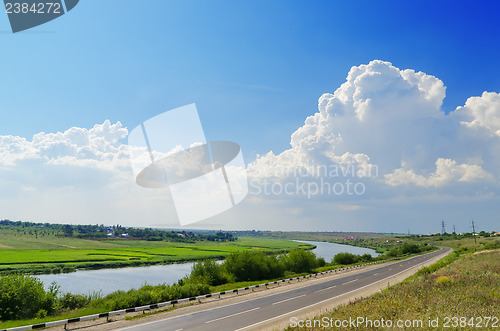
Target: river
{"type": "Point", "coordinates": [111, 280]}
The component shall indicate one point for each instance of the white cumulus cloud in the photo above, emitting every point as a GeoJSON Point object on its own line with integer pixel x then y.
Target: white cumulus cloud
{"type": "Point", "coordinates": [383, 129]}
{"type": "Point", "coordinates": [447, 171]}
{"type": "Point", "coordinates": [484, 112]}
{"type": "Point", "coordinates": [382, 117]}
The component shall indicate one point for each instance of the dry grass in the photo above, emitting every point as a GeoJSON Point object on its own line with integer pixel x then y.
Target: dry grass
{"type": "Point", "coordinates": [469, 287]}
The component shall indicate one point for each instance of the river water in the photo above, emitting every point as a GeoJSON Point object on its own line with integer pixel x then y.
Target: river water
{"type": "Point", "coordinates": [329, 250]}
{"type": "Point", "coordinates": [111, 280]}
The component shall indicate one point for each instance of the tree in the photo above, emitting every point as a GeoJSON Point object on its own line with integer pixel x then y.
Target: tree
{"type": "Point", "coordinates": [246, 266]}
{"type": "Point", "coordinates": [68, 230]}
{"type": "Point", "coordinates": [207, 272]}
{"type": "Point", "coordinates": [23, 296]}
{"type": "Point", "coordinates": [299, 260]}
{"type": "Point", "coordinates": [345, 258]}
{"type": "Point", "coordinates": [410, 248]}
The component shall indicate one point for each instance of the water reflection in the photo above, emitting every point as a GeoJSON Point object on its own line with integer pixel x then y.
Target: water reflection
{"type": "Point", "coordinates": [111, 280]}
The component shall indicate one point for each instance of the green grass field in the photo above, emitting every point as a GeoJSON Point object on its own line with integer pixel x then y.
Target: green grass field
{"type": "Point", "coordinates": [28, 253]}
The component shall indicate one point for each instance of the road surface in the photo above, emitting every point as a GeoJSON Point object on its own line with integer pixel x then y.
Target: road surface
{"type": "Point", "coordinates": [257, 313]}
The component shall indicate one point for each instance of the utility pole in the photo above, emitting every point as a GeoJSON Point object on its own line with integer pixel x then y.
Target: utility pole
{"type": "Point", "coordinates": [443, 229]}
{"type": "Point", "coordinates": [408, 232]}
{"type": "Point", "coordinates": [454, 229]}
{"type": "Point", "coordinates": [474, 232]}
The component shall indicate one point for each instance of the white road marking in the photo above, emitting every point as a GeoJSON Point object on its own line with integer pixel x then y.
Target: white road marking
{"type": "Point", "coordinates": [324, 289]}
{"type": "Point", "coordinates": [275, 303]}
{"type": "Point", "coordinates": [237, 303]}
{"type": "Point", "coordinates": [224, 317]}
{"type": "Point", "coordinates": [350, 281]}
{"type": "Point", "coordinates": [320, 302]}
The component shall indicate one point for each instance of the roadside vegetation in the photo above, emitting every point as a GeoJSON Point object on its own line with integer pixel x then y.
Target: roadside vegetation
{"type": "Point", "coordinates": [463, 285]}
{"type": "Point", "coordinates": [240, 268]}
{"type": "Point", "coordinates": [23, 299]}
{"type": "Point", "coordinates": [24, 296]}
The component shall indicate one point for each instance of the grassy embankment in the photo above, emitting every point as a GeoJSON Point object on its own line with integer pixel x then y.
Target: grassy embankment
{"type": "Point", "coordinates": [52, 254]}
{"type": "Point", "coordinates": [463, 285]}
{"type": "Point", "coordinates": [32, 254]}
{"type": "Point", "coordinates": [239, 270]}
{"type": "Point", "coordinates": [225, 277]}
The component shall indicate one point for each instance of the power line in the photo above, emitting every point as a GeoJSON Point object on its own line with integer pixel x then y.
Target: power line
{"type": "Point", "coordinates": [474, 232]}
{"type": "Point", "coordinates": [443, 228]}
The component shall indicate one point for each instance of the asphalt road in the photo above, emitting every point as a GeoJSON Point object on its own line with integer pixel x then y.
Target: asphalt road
{"type": "Point", "coordinates": [249, 314]}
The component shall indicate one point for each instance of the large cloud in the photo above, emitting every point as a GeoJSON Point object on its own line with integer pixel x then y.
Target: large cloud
{"type": "Point", "coordinates": [383, 129]}
{"type": "Point", "coordinates": [98, 147]}
{"type": "Point", "coordinates": [77, 157]}
{"type": "Point", "coordinates": [76, 176]}
{"type": "Point", "coordinates": [447, 171]}
{"type": "Point", "coordinates": [391, 119]}
{"type": "Point", "coordinates": [484, 112]}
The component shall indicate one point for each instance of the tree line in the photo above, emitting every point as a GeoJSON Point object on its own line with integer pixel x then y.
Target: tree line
{"type": "Point", "coordinates": [103, 232]}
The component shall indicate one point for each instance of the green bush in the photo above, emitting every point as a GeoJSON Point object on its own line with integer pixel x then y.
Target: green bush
{"type": "Point", "coordinates": [72, 301]}
{"type": "Point", "coordinates": [207, 272]}
{"type": "Point", "coordinates": [149, 294]}
{"type": "Point", "coordinates": [299, 260]}
{"type": "Point", "coordinates": [366, 258]}
{"type": "Point", "coordinates": [394, 252]}
{"type": "Point", "coordinates": [491, 245]}
{"type": "Point", "coordinates": [245, 266]}
{"type": "Point", "coordinates": [42, 313]}
{"type": "Point", "coordinates": [410, 248]}
{"type": "Point", "coordinates": [345, 258]}
{"type": "Point", "coordinates": [23, 296]}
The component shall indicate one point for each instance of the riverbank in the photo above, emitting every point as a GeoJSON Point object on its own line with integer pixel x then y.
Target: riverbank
{"type": "Point", "coordinates": [240, 294]}
{"type": "Point", "coordinates": [51, 254]}
{"type": "Point", "coordinates": [107, 281]}
{"type": "Point", "coordinates": [205, 277]}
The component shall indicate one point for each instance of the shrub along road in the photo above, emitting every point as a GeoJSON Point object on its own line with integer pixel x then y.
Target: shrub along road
{"type": "Point", "coordinates": [276, 309]}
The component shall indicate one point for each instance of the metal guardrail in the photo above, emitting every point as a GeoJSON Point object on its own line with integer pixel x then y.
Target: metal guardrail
{"type": "Point", "coordinates": [174, 302]}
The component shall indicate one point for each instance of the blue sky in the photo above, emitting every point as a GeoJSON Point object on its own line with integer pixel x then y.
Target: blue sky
{"type": "Point", "coordinates": [255, 69]}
